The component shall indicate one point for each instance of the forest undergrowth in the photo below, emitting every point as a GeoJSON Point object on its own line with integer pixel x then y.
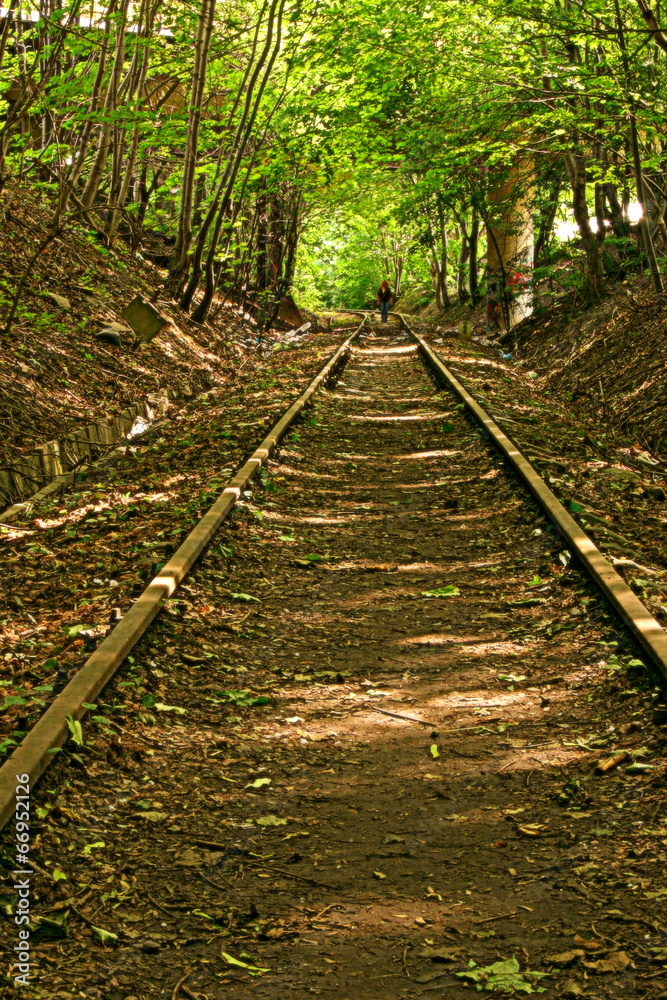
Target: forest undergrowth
{"type": "Point", "coordinates": [608, 360]}
{"type": "Point", "coordinates": [57, 376]}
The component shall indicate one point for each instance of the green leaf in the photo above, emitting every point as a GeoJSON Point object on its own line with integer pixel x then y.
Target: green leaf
{"type": "Point", "coordinates": [246, 700]}
{"type": "Point", "coordinates": [638, 768]}
{"type": "Point", "coordinates": [435, 753]}
{"type": "Point", "coordinates": [504, 976]}
{"type": "Point", "coordinates": [271, 821]}
{"type": "Point", "coordinates": [58, 876]}
{"type": "Point", "coordinates": [93, 847]}
{"type": "Point", "coordinates": [244, 597]}
{"type": "Point", "coordinates": [449, 591]}
{"type": "Point", "coordinates": [104, 937]}
{"type": "Point", "coordinates": [75, 730]}
{"type": "Point", "coordinates": [74, 630]}
{"type": "Point", "coordinates": [230, 960]}
{"type": "Point", "coordinates": [161, 707]}
{"type": "Point", "coordinates": [13, 699]}
{"type": "Point", "coordinates": [259, 783]}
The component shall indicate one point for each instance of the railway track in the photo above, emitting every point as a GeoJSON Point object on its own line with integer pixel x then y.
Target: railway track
{"type": "Point", "coordinates": [410, 641]}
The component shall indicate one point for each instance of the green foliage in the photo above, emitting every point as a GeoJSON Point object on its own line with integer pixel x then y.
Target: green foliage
{"type": "Point", "coordinates": [378, 134]}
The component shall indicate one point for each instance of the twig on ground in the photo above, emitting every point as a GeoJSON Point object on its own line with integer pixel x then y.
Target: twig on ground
{"type": "Point", "coordinates": [215, 885]}
{"type": "Point", "coordinates": [179, 984]}
{"type": "Point", "coordinates": [170, 907]}
{"type": "Point", "coordinates": [302, 878]}
{"type": "Point", "coordinates": [407, 718]}
{"type": "Point", "coordinates": [501, 916]}
{"type": "Point", "coordinates": [213, 845]}
{"type": "Point", "coordinates": [322, 912]}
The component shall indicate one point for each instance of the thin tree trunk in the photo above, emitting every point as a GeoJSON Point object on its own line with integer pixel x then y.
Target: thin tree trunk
{"type": "Point", "coordinates": [575, 164]}
{"type": "Point", "coordinates": [443, 266]}
{"type": "Point", "coordinates": [71, 181]}
{"type": "Point", "coordinates": [184, 233]}
{"type": "Point", "coordinates": [473, 243]}
{"type": "Point", "coordinates": [146, 22]}
{"type": "Point", "coordinates": [6, 28]}
{"type": "Point", "coordinates": [241, 136]}
{"type": "Point", "coordinates": [275, 22]}
{"type": "Point", "coordinates": [104, 144]}
{"type": "Point", "coordinates": [656, 276]}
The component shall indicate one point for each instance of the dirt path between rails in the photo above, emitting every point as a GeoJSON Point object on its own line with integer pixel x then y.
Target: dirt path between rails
{"type": "Point", "coordinates": [330, 846]}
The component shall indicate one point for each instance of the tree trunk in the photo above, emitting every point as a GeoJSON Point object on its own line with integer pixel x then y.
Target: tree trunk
{"type": "Point", "coordinates": [645, 228]}
{"type": "Point", "coordinates": [509, 257]}
{"type": "Point", "coordinates": [231, 173]}
{"type": "Point", "coordinates": [244, 129]}
{"type": "Point", "coordinates": [104, 142]}
{"type": "Point", "coordinates": [464, 254]}
{"type": "Point", "coordinates": [618, 221]}
{"type": "Point", "coordinates": [575, 164]}
{"type": "Point", "coordinates": [441, 256]}
{"type": "Point", "coordinates": [473, 244]}
{"type": "Point", "coordinates": [184, 233]}
{"type": "Point", "coordinates": [135, 87]}
{"type": "Point", "coordinates": [656, 276]}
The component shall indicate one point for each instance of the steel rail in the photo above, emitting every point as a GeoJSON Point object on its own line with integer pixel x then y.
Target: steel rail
{"type": "Point", "coordinates": [51, 731]}
{"type": "Point", "coordinates": [648, 631]}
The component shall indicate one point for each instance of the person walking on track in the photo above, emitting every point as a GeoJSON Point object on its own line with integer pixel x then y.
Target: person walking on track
{"type": "Point", "coordinates": [384, 300]}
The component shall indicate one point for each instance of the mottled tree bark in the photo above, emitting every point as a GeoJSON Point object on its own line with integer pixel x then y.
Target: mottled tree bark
{"type": "Point", "coordinates": [509, 230]}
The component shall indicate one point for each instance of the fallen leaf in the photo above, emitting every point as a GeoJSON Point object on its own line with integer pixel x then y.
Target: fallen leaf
{"type": "Point", "coordinates": [590, 945]}
{"type": "Point", "coordinates": [531, 830]}
{"type": "Point", "coordinates": [638, 768]}
{"type": "Point", "coordinates": [104, 937]}
{"type": "Point", "coordinates": [572, 990]}
{"type": "Point", "coordinates": [449, 591]}
{"type": "Point", "coordinates": [440, 954]}
{"type": "Point", "coordinates": [565, 958]}
{"type": "Point", "coordinates": [230, 960]}
{"type": "Point", "coordinates": [616, 962]}
{"type": "Point", "coordinates": [93, 847]}
{"type": "Point", "coordinates": [76, 629]}
{"type": "Point", "coordinates": [505, 976]}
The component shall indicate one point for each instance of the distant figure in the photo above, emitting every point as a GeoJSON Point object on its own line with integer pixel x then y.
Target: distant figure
{"type": "Point", "coordinates": [384, 300]}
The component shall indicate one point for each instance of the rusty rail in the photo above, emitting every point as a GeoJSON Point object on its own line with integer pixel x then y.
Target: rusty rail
{"type": "Point", "coordinates": [648, 631]}
{"type": "Point", "coordinates": [34, 754]}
